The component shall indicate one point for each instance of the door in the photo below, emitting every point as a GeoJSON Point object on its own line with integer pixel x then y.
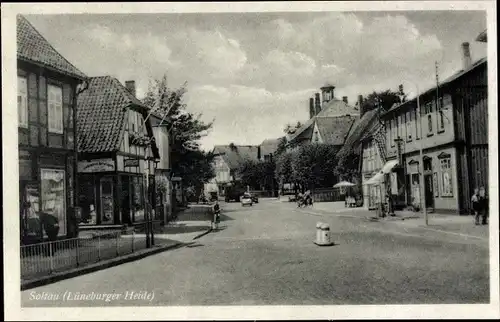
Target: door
{"type": "Point", "coordinates": [126, 200]}
{"type": "Point", "coordinates": [429, 193]}
{"type": "Point", "coordinates": [429, 183]}
{"type": "Point", "coordinates": [107, 203]}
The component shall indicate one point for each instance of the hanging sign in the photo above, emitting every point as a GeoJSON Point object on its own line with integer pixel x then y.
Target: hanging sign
{"type": "Point", "coordinates": [100, 165]}
{"type": "Point", "coordinates": [127, 163]}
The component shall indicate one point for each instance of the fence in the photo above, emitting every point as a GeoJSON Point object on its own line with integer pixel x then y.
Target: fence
{"type": "Point", "coordinates": [46, 258]}
{"type": "Point", "coordinates": [263, 193]}
{"type": "Point", "coordinates": [327, 195]}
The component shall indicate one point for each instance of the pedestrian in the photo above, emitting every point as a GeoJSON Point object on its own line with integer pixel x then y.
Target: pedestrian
{"type": "Point", "coordinates": [476, 207]}
{"type": "Point", "coordinates": [216, 214]}
{"type": "Point", "coordinates": [483, 205]}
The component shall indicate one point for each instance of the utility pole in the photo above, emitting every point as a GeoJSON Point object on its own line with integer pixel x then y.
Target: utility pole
{"type": "Point", "coordinates": [149, 213]}
{"type": "Point", "coordinates": [422, 183]}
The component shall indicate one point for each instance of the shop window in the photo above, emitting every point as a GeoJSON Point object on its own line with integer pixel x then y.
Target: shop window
{"type": "Point", "coordinates": [54, 196]}
{"type": "Point", "coordinates": [22, 101]}
{"type": "Point", "coordinates": [55, 110]}
{"type": "Point", "coordinates": [446, 177]}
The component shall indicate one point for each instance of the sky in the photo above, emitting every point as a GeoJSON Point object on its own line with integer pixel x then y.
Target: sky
{"type": "Point", "coordinates": [252, 73]}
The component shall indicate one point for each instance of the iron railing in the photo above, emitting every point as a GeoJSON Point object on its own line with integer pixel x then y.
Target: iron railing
{"type": "Point", "coordinates": [42, 259]}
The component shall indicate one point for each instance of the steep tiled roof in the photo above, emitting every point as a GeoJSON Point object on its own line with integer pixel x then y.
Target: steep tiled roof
{"type": "Point", "coordinates": [235, 156]}
{"type": "Point", "coordinates": [269, 146]}
{"type": "Point", "coordinates": [447, 81]}
{"type": "Point", "coordinates": [337, 107]}
{"type": "Point", "coordinates": [334, 130]}
{"type": "Point", "coordinates": [331, 110]}
{"type": "Point", "coordinates": [362, 129]}
{"type": "Point", "coordinates": [34, 48]}
{"type": "Point", "coordinates": [101, 114]}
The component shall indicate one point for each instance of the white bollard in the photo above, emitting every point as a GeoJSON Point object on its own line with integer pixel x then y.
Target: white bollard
{"type": "Point", "coordinates": [324, 237]}
{"type": "Point", "coordinates": [318, 232]}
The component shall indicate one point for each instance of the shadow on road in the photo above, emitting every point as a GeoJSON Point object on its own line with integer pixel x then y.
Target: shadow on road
{"type": "Point", "coordinates": [182, 229]}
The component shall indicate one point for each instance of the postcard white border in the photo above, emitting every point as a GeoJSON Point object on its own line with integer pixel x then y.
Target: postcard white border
{"type": "Point", "coordinates": [10, 174]}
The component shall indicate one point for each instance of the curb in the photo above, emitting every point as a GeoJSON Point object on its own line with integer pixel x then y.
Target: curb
{"type": "Point", "coordinates": [96, 267]}
{"type": "Point", "coordinates": [203, 234]}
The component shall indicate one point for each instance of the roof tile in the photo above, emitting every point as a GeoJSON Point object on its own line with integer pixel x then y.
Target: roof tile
{"type": "Point", "coordinates": [101, 114]}
{"type": "Point", "coordinates": [34, 48]}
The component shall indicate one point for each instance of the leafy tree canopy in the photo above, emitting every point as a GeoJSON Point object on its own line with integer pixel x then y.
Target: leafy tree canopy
{"type": "Point", "coordinates": [185, 130]}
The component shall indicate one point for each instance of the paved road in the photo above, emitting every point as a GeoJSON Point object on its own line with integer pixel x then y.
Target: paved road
{"type": "Point", "coordinates": [265, 254]}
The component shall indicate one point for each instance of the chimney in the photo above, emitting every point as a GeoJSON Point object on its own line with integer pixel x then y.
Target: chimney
{"type": "Point", "coordinates": [466, 59]}
{"type": "Point", "coordinates": [344, 98]}
{"type": "Point", "coordinates": [258, 152]}
{"type": "Point", "coordinates": [312, 110]}
{"type": "Point", "coordinates": [130, 85]}
{"type": "Point", "coordinates": [360, 105]}
{"type": "Point", "coordinates": [317, 103]}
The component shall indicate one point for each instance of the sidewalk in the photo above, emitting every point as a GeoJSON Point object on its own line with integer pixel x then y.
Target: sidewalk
{"type": "Point", "coordinates": [452, 224]}
{"type": "Point", "coordinates": [191, 224]}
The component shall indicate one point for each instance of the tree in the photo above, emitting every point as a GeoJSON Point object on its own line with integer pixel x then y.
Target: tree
{"type": "Point", "coordinates": [185, 130]}
{"type": "Point", "coordinates": [290, 129]}
{"type": "Point", "coordinates": [257, 174]}
{"type": "Point", "coordinates": [281, 146]}
{"type": "Point", "coordinates": [314, 164]}
{"type": "Point", "coordinates": [384, 99]}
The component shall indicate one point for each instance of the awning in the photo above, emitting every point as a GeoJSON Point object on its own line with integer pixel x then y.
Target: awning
{"type": "Point", "coordinates": [376, 179]}
{"type": "Point", "coordinates": [387, 168]}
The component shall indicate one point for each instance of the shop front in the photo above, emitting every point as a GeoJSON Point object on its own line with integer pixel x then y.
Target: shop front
{"type": "Point", "coordinates": [46, 188]}
{"type": "Point", "coordinates": [112, 192]}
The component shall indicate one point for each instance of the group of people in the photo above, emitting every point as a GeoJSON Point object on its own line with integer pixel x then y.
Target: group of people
{"type": "Point", "coordinates": [480, 206]}
{"type": "Point", "coordinates": [304, 199]}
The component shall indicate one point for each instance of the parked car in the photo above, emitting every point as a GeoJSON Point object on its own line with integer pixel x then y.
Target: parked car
{"type": "Point", "coordinates": [246, 200]}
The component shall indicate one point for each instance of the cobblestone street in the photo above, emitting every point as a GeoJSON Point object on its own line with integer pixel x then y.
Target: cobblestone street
{"type": "Point", "coordinates": [265, 254]}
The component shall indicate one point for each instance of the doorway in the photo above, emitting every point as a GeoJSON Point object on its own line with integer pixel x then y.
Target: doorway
{"type": "Point", "coordinates": [106, 202]}
{"type": "Point", "coordinates": [429, 183]}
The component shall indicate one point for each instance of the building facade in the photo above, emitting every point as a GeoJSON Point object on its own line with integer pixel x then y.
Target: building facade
{"type": "Point", "coordinates": [114, 155]}
{"type": "Point", "coordinates": [163, 171]}
{"type": "Point", "coordinates": [451, 130]}
{"type": "Point", "coordinates": [47, 86]}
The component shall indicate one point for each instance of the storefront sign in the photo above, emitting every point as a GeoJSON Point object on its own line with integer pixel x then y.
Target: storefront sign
{"type": "Point", "coordinates": [131, 163]}
{"type": "Point", "coordinates": [100, 165]}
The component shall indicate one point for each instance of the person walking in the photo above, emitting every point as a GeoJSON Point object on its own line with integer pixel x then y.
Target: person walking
{"type": "Point", "coordinates": [216, 215]}
{"type": "Point", "coordinates": [476, 207]}
{"type": "Point", "coordinates": [483, 206]}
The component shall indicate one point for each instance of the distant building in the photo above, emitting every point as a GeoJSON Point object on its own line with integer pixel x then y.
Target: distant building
{"type": "Point", "coordinates": [228, 158]}
{"type": "Point", "coordinates": [329, 121]}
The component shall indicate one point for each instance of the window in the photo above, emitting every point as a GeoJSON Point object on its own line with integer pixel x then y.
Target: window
{"type": "Point", "coordinates": [409, 126]}
{"type": "Point", "coordinates": [428, 112]}
{"type": "Point", "coordinates": [394, 131]}
{"type": "Point", "coordinates": [55, 112]}
{"type": "Point", "coordinates": [446, 178]}
{"type": "Point", "coordinates": [22, 101]}
{"type": "Point", "coordinates": [441, 120]}
{"type": "Point", "coordinates": [417, 123]}
{"type": "Point", "coordinates": [54, 195]}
